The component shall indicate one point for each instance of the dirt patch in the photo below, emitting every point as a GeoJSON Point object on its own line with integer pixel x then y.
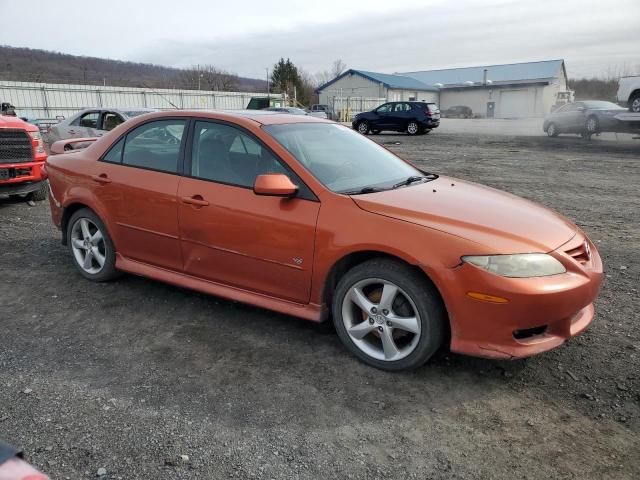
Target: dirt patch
{"type": "Point", "coordinates": [152, 381]}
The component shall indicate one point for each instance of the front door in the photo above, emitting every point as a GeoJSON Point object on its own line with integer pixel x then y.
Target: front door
{"type": "Point", "coordinates": [231, 235]}
{"type": "Point", "coordinates": [384, 114]}
{"type": "Point", "coordinates": [491, 109]}
{"type": "Point", "coordinates": [137, 181]}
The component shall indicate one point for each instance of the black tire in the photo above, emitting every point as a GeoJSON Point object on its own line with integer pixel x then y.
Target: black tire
{"type": "Point", "coordinates": [552, 130]}
{"type": "Point", "coordinates": [634, 103]}
{"type": "Point", "coordinates": [363, 127]}
{"type": "Point", "coordinates": [591, 125]}
{"type": "Point", "coordinates": [108, 270]}
{"type": "Point", "coordinates": [412, 128]}
{"type": "Point", "coordinates": [433, 317]}
{"type": "Point", "coordinates": [41, 194]}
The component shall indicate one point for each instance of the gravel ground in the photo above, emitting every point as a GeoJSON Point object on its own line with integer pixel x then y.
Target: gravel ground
{"type": "Point", "coordinates": [146, 380]}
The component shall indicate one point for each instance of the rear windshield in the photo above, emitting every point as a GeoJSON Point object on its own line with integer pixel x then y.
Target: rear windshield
{"type": "Point", "coordinates": [432, 107]}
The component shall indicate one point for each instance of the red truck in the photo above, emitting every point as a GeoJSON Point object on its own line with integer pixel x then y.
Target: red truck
{"type": "Point", "coordinates": [22, 158]}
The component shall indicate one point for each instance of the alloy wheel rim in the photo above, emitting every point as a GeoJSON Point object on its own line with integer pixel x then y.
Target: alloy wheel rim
{"type": "Point", "coordinates": [89, 248]}
{"type": "Point", "coordinates": [381, 319]}
{"type": "Point", "coordinates": [412, 128]}
{"type": "Point", "coordinates": [363, 128]}
{"type": "Point", "coordinates": [591, 125]}
{"type": "Point", "coordinates": [635, 106]}
{"type": "Point", "coordinates": [551, 130]}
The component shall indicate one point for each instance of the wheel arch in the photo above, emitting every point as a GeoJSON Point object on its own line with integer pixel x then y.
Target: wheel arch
{"type": "Point", "coordinates": [76, 204]}
{"type": "Point", "coordinates": [352, 259]}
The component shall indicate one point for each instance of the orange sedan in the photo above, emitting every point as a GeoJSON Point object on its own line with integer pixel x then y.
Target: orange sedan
{"type": "Point", "coordinates": [309, 218]}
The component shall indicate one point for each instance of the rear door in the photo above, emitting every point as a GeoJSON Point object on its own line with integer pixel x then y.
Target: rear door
{"type": "Point", "coordinates": [137, 180]}
{"type": "Point", "coordinates": [401, 115]}
{"type": "Point", "coordinates": [231, 235]}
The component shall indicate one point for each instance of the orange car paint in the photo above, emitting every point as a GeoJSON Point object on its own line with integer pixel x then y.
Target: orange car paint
{"type": "Point", "coordinates": [278, 253]}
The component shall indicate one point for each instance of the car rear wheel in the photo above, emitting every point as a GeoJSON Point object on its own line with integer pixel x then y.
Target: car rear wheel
{"type": "Point", "coordinates": [388, 315]}
{"type": "Point", "coordinates": [363, 127]}
{"type": "Point", "coordinates": [592, 125]}
{"type": "Point", "coordinates": [634, 103]}
{"type": "Point", "coordinates": [552, 130]}
{"type": "Point", "coordinates": [91, 246]}
{"type": "Point", "coordinates": [413, 128]}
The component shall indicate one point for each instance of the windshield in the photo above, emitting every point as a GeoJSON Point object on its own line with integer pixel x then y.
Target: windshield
{"type": "Point", "coordinates": [601, 105]}
{"type": "Point", "coordinates": [343, 160]}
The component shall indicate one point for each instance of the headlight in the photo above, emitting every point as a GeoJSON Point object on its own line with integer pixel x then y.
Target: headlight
{"type": "Point", "coordinates": [523, 265]}
{"type": "Point", "coordinates": [37, 141]}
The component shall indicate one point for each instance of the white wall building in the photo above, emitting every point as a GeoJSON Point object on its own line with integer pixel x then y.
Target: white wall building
{"type": "Point", "coordinates": [517, 90]}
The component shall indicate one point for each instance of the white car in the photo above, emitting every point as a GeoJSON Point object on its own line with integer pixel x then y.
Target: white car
{"type": "Point", "coordinates": [92, 122]}
{"type": "Point", "coordinates": [629, 93]}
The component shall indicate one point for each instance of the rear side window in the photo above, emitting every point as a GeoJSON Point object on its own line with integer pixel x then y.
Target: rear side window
{"type": "Point", "coordinates": [154, 145]}
{"type": "Point", "coordinates": [114, 155]}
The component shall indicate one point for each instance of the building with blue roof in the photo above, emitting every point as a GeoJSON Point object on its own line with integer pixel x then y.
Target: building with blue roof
{"type": "Point", "coordinates": [516, 90]}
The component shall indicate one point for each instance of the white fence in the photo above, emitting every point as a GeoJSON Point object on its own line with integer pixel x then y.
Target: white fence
{"type": "Point", "coordinates": [47, 100]}
{"type": "Point", "coordinates": [345, 108]}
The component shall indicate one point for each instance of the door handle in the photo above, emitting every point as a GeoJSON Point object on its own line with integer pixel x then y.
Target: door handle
{"type": "Point", "coordinates": [196, 200]}
{"type": "Point", "coordinates": [102, 178]}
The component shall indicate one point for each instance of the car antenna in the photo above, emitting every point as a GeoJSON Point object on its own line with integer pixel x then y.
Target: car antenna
{"type": "Point", "coordinates": [159, 94]}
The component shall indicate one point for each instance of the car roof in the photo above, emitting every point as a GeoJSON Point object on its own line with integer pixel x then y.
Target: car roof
{"type": "Point", "coordinates": [262, 117]}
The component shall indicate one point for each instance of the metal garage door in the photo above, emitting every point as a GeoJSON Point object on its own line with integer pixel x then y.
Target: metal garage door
{"type": "Point", "coordinates": [514, 104]}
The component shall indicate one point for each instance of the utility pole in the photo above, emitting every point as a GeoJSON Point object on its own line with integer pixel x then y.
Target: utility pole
{"type": "Point", "coordinates": [267, 69]}
{"type": "Point", "coordinates": [198, 72]}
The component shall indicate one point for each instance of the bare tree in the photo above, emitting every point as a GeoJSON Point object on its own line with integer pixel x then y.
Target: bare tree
{"type": "Point", "coordinates": [338, 67]}
{"type": "Point", "coordinates": [208, 77]}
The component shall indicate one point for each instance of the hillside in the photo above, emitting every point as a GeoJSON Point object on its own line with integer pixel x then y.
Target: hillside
{"type": "Point", "coordinates": [29, 65]}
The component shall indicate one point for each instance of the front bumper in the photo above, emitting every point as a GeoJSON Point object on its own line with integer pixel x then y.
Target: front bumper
{"type": "Point", "coordinates": [541, 313]}
{"type": "Point", "coordinates": [22, 178]}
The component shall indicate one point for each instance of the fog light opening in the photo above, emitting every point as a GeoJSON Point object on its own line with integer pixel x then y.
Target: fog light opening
{"type": "Point", "coordinates": [526, 333]}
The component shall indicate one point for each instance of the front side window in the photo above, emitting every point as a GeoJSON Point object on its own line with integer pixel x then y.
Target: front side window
{"type": "Point", "coordinates": [88, 120]}
{"type": "Point", "coordinates": [226, 154]}
{"type": "Point", "coordinates": [386, 108]}
{"type": "Point", "coordinates": [402, 107]}
{"type": "Point", "coordinates": [154, 145]}
{"type": "Point", "coordinates": [342, 159]}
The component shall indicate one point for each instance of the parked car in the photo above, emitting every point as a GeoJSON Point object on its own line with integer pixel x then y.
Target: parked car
{"type": "Point", "coordinates": [318, 109]}
{"type": "Point", "coordinates": [457, 112]}
{"type": "Point", "coordinates": [308, 217]}
{"type": "Point", "coordinates": [410, 117]}
{"type": "Point", "coordinates": [92, 122]}
{"type": "Point", "coordinates": [585, 118]}
{"type": "Point", "coordinates": [22, 158]}
{"type": "Point", "coordinates": [629, 93]}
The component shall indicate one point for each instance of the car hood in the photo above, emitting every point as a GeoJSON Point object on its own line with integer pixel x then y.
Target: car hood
{"type": "Point", "coordinates": [9, 121]}
{"type": "Point", "coordinates": [502, 222]}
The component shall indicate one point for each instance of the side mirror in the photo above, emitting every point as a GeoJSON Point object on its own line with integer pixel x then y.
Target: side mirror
{"type": "Point", "coordinates": [275, 185]}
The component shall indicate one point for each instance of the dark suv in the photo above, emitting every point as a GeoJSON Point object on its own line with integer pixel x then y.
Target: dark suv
{"type": "Point", "coordinates": [410, 117]}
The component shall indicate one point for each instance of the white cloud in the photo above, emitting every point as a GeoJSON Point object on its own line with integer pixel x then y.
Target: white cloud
{"type": "Point", "coordinates": [592, 36]}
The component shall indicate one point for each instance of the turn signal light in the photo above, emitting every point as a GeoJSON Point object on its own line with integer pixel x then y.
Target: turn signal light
{"type": "Point", "coordinates": [484, 297]}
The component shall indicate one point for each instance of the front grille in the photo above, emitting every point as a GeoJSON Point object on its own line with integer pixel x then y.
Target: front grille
{"type": "Point", "coordinates": [15, 146]}
{"type": "Point", "coordinates": [580, 253]}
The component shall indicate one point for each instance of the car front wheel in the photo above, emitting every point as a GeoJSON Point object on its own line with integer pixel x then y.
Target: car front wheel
{"type": "Point", "coordinates": [363, 127]}
{"type": "Point", "coordinates": [592, 126]}
{"type": "Point", "coordinates": [413, 128]}
{"type": "Point", "coordinates": [91, 246]}
{"type": "Point", "coordinates": [552, 130]}
{"type": "Point", "coordinates": [388, 315]}
{"type": "Point", "coordinates": [634, 103]}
